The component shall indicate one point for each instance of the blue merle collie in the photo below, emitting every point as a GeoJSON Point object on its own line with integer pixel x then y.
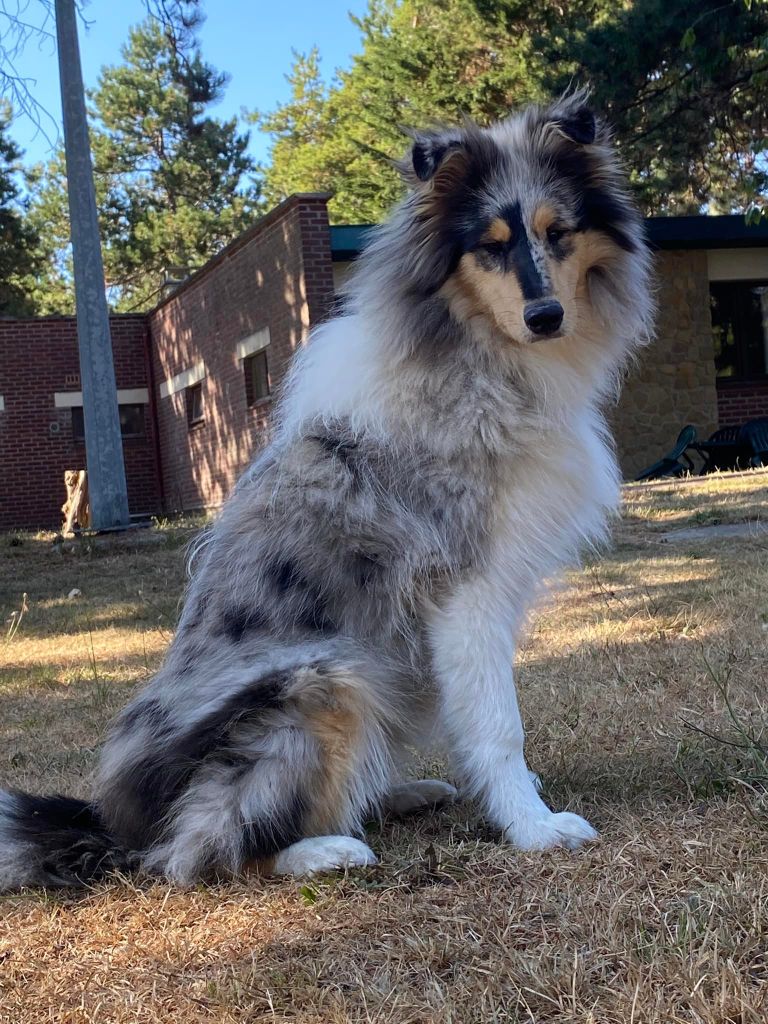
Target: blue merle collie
{"type": "Point", "coordinates": [439, 451]}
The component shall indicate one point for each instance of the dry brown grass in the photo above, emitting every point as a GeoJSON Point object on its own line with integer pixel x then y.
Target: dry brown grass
{"type": "Point", "coordinates": [626, 681]}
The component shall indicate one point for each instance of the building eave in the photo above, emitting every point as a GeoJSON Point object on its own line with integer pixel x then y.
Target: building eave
{"type": "Point", "coordinates": [729, 231]}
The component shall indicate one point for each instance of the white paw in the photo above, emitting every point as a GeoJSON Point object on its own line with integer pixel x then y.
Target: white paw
{"type": "Point", "coordinates": [564, 829]}
{"type": "Point", "coordinates": [419, 795]}
{"type": "Point", "coordinates": [323, 853]}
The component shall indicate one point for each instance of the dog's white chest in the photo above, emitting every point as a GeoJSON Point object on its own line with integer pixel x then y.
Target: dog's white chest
{"type": "Point", "coordinates": [560, 493]}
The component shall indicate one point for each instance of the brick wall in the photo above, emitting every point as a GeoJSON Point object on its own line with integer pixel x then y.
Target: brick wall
{"type": "Point", "coordinates": [739, 401]}
{"type": "Point", "coordinates": [37, 358]}
{"type": "Point", "coordinates": [316, 257]}
{"type": "Point", "coordinates": [278, 275]}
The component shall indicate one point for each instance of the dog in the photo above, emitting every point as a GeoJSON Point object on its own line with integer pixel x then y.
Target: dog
{"type": "Point", "coordinates": [439, 452]}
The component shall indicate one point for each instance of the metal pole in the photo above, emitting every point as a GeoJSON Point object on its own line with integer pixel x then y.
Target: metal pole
{"type": "Point", "coordinates": [103, 443]}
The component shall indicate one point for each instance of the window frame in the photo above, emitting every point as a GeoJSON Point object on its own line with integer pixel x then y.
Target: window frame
{"type": "Point", "coordinates": [252, 400]}
{"type": "Point", "coordinates": [194, 422]}
{"type": "Point", "coordinates": [741, 376]}
{"type": "Point", "coordinates": [79, 435]}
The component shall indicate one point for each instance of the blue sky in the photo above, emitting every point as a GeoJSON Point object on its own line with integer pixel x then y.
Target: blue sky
{"type": "Point", "coordinates": [250, 39]}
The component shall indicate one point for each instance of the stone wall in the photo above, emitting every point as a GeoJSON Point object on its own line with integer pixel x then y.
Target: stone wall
{"type": "Point", "coordinates": [674, 381]}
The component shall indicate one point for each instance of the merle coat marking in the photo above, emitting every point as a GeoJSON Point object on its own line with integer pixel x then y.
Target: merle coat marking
{"type": "Point", "coordinates": [434, 461]}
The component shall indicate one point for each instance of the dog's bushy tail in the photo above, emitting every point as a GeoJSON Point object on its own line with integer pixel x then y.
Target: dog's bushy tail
{"type": "Point", "coordinates": [54, 841]}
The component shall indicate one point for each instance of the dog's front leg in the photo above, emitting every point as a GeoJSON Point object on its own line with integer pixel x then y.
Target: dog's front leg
{"type": "Point", "coordinates": [472, 640]}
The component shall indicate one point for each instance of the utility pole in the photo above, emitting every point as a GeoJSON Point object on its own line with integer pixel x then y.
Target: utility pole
{"type": "Point", "coordinates": [103, 443]}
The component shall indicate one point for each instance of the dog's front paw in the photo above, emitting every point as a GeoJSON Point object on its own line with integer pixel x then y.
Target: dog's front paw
{"type": "Point", "coordinates": [543, 833]}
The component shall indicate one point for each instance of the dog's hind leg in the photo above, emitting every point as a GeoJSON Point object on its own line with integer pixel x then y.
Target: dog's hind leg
{"type": "Point", "coordinates": [284, 789]}
{"type": "Point", "coordinates": [419, 795]}
{"type": "Point", "coordinates": [317, 854]}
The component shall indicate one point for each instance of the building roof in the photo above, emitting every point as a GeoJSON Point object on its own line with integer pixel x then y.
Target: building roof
{"type": "Point", "coordinates": [730, 231]}
{"type": "Point", "coordinates": [696, 232]}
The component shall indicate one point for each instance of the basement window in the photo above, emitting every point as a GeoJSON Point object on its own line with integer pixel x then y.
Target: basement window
{"type": "Point", "coordinates": [740, 328]}
{"type": "Point", "coordinates": [131, 421]}
{"type": "Point", "coordinates": [194, 398]}
{"type": "Point", "coordinates": [256, 372]}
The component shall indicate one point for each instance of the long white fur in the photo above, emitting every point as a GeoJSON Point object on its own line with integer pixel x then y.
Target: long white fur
{"type": "Point", "coordinates": [555, 500]}
{"type": "Point", "coordinates": [533, 411]}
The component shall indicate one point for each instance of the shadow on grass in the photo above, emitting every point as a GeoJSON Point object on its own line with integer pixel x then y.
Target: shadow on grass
{"type": "Point", "coordinates": [598, 755]}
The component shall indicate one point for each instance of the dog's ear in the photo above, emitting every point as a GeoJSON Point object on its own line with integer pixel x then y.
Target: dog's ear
{"type": "Point", "coordinates": [580, 126]}
{"type": "Point", "coordinates": [572, 117]}
{"type": "Point", "coordinates": [429, 153]}
{"type": "Point", "coordinates": [437, 158]}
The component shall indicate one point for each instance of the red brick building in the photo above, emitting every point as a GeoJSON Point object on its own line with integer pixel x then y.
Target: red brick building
{"type": "Point", "coordinates": [196, 375]}
{"type": "Point", "coordinates": [41, 426]}
{"type": "Point", "coordinates": [222, 342]}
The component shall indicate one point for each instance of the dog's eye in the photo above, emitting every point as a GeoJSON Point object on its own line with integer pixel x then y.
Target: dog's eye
{"type": "Point", "coordinates": [493, 248]}
{"type": "Point", "coordinates": [556, 234]}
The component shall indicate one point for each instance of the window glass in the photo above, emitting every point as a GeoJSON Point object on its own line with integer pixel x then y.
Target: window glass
{"type": "Point", "coordinates": [256, 377]}
{"type": "Point", "coordinates": [131, 421]}
{"type": "Point", "coordinates": [78, 423]}
{"type": "Point", "coordinates": [195, 404]}
{"type": "Point", "coordinates": [740, 328]}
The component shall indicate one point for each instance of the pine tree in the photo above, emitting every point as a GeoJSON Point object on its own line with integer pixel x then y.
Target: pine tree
{"type": "Point", "coordinates": [174, 184]}
{"type": "Point", "coordinates": [299, 128]}
{"type": "Point", "coordinates": [19, 255]}
{"type": "Point", "coordinates": [420, 62]}
{"type": "Point", "coordinates": [52, 290]}
{"type": "Point", "coordinates": [684, 82]}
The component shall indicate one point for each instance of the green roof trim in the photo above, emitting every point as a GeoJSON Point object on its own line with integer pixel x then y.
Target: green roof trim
{"type": "Point", "coordinates": [730, 231]}
{"type": "Point", "coordinates": [347, 240]}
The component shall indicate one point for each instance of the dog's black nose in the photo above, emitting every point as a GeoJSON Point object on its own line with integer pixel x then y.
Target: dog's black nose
{"type": "Point", "coordinates": [543, 317]}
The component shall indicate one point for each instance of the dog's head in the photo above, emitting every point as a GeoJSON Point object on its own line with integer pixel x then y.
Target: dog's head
{"type": "Point", "coordinates": [529, 222]}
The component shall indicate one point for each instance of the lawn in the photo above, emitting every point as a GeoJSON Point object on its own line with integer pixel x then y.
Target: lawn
{"type": "Point", "coordinates": [643, 685]}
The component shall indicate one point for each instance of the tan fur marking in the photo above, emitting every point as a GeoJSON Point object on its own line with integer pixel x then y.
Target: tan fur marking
{"type": "Point", "coordinates": [451, 171]}
{"type": "Point", "coordinates": [495, 296]}
{"type": "Point", "coordinates": [466, 283]}
{"type": "Point", "coordinates": [337, 733]}
{"type": "Point", "coordinates": [594, 248]}
{"type": "Point", "coordinates": [497, 231]}
{"type": "Point", "coordinates": [431, 195]}
{"type": "Point", "coordinates": [543, 218]}
{"type": "Point", "coordinates": [333, 713]}
{"type": "Point", "coordinates": [584, 345]}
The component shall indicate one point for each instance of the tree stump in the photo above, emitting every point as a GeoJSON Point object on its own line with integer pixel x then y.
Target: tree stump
{"type": "Point", "coordinates": [76, 508]}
